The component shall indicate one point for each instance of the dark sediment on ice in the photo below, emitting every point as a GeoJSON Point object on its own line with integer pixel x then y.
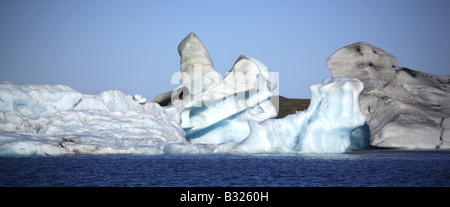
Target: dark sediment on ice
{"type": "Point", "coordinates": [289, 105]}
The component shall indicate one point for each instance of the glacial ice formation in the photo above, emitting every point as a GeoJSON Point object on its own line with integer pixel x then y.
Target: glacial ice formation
{"type": "Point", "coordinates": [233, 115]}
{"type": "Point", "coordinates": [325, 127]}
{"type": "Point", "coordinates": [404, 108]}
{"type": "Point", "coordinates": [215, 111]}
{"type": "Point", "coordinates": [197, 68]}
{"type": "Point", "coordinates": [230, 110]}
{"type": "Point", "coordinates": [243, 95]}
{"type": "Point", "coordinates": [55, 119]}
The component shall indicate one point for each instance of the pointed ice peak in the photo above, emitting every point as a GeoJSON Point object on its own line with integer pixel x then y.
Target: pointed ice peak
{"type": "Point", "coordinates": [240, 58]}
{"type": "Point", "coordinates": [197, 68]}
{"type": "Point", "coordinates": [192, 46]}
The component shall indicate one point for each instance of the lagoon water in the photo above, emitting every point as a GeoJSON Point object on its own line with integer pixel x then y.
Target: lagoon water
{"type": "Point", "coordinates": [360, 168]}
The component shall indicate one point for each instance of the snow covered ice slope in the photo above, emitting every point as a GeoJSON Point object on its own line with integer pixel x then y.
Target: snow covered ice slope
{"type": "Point", "coordinates": [55, 119]}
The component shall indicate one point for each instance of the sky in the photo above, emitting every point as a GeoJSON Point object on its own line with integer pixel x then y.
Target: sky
{"type": "Point", "coordinates": [97, 45]}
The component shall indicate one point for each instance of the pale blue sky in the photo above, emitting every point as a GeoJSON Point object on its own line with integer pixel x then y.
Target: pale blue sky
{"type": "Point", "coordinates": [95, 45]}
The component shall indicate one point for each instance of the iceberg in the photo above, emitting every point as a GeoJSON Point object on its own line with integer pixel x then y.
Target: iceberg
{"type": "Point", "coordinates": [325, 127]}
{"type": "Point", "coordinates": [55, 119]}
{"type": "Point", "coordinates": [205, 115]}
{"type": "Point", "coordinates": [221, 113]}
{"type": "Point", "coordinates": [197, 68]}
{"type": "Point", "coordinates": [231, 110]}
{"type": "Point", "coordinates": [405, 108]}
{"type": "Point", "coordinates": [215, 111]}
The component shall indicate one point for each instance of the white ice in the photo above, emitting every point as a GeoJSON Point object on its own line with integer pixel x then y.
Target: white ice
{"type": "Point", "coordinates": [197, 68]}
{"type": "Point", "coordinates": [325, 127]}
{"type": "Point", "coordinates": [221, 113]}
{"type": "Point", "coordinates": [233, 115]}
{"type": "Point", "coordinates": [55, 119]}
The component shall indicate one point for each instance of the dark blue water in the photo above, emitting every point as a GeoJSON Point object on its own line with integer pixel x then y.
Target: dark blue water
{"type": "Point", "coordinates": [364, 168]}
